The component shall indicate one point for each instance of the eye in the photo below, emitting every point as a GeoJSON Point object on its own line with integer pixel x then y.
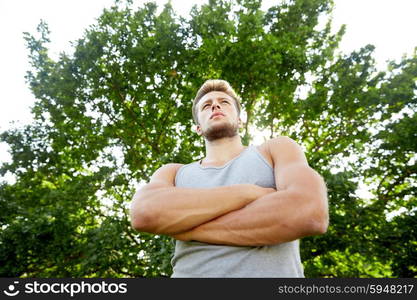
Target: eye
{"type": "Point", "coordinates": [206, 105]}
{"type": "Point", "coordinates": [225, 101]}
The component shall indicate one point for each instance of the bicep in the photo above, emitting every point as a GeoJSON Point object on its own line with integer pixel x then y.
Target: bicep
{"type": "Point", "coordinates": [162, 178]}
{"type": "Point", "coordinates": [287, 157]}
{"type": "Point", "coordinates": [301, 179]}
{"type": "Point", "coordinates": [291, 168]}
{"type": "Point", "coordinates": [293, 174]}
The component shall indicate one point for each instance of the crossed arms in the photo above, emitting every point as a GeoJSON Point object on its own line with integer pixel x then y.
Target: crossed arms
{"type": "Point", "coordinates": [241, 214]}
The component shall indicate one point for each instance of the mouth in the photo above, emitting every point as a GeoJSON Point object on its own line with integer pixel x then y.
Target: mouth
{"type": "Point", "coordinates": [216, 115]}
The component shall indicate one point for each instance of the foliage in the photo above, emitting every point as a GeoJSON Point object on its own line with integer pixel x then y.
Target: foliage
{"type": "Point", "coordinates": [119, 107]}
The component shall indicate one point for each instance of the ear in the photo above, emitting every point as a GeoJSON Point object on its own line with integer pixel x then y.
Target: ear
{"type": "Point", "coordinates": [198, 130]}
{"type": "Point", "coordinates": [240, 123]}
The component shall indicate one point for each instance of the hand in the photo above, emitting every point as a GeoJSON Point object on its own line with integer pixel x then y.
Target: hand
{"type": "Point", "coordinates": [262, 191]}
{"type": "Point", "coordinates": [184, 236]}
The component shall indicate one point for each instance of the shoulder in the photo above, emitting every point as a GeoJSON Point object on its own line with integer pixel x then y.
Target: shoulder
{"type": "Point", "coordinates": [172, 167]}
{"type": "Point", "coordinates": [167, 171]}
{"type": "Point", "coordinates": [283, 150]}
{"type": "Point", "coordinates": [281, 141]}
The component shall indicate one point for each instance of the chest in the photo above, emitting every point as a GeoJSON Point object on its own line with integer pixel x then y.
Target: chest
{"type": "Point", "coordinates": [251, 168]}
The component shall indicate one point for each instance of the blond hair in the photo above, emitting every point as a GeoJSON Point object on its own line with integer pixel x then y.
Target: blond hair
{"type": "Point", "coordinates": [215, 85]}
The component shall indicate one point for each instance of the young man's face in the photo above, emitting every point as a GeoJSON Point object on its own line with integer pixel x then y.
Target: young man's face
{"type": "Point", "coordinates": [217, 116]}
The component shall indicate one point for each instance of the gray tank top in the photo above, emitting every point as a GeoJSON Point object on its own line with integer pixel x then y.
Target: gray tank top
{"type": "Point", "coordinates": [196, 259]}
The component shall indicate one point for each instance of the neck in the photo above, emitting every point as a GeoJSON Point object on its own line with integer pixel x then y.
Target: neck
{"type": "Point", "coordinates": [223, 150]}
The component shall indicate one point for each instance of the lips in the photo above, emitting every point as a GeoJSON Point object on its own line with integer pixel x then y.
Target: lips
{"type": "Point", "coordinates": [216, 114]}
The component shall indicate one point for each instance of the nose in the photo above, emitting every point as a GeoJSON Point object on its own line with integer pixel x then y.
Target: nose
{"type": "Point", "coordinates": [215, 105]}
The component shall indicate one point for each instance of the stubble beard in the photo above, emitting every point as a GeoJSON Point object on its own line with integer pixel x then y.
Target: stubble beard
{"type": "Point", "coordinates": [225, 130]}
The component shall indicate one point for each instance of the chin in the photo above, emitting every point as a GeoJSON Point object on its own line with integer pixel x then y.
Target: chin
{"type": "Point", "coordinates": [220, 131]}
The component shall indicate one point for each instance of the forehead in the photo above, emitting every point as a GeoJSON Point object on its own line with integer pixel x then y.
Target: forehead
{"type": "Point", "coordinates": [214, 95]}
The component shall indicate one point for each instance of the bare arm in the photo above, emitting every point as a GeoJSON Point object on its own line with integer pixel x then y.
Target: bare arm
{"type": "Point", "coordinates": [297, 209]}
{"type": "Point", "coordinates": [161, 208]}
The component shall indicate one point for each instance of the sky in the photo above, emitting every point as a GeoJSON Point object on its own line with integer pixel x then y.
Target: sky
{"type": "Point", "coordinates": [388, 24]}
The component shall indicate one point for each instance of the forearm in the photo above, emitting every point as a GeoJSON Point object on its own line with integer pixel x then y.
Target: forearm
{"type": "Point", "coordinates": [272, 219]}
{"type": "Point", "coordinates": [174, 209]}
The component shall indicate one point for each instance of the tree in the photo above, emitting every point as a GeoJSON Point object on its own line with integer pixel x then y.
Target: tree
{"type": "Point", "coordinates": [119, 107]}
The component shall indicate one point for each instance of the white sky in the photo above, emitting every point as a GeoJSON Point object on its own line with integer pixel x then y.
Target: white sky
{"type": "Point", "coordinates": [390, 25]}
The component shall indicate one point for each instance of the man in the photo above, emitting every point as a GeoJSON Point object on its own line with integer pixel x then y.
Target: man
{"type": "Point", "coordinates": [240, 211]}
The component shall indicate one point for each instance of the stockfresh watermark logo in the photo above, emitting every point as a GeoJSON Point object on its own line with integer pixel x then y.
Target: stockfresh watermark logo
{"type": "Point", "coordinates": [64, 288]}
{"type": "Point", "coordinates": [12, 290]}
